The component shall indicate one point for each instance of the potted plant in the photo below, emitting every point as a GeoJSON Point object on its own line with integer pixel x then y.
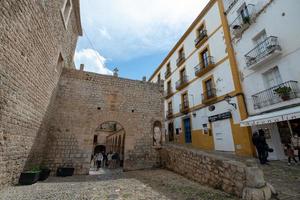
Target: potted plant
{"type": "Point", "coordinates": [283, 92]}
{"type": "Point", "coordinates": [45, 172]}
{"type": "Point", "coordinates": [30, 177]}
{"type": "Point", "coordinates": [65, 171]}
{"type": "Point", "coordinates": [246, 20]}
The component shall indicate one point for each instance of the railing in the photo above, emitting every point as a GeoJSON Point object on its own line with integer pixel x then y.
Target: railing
{"type": "Point", "coordinates": [209, 94]}
{"type": "Point", "coordinates": [180, 59]}
{"type": "Point", "coordinates": [262, 50]}
{"type": "Point", "coordinates": [184, 107]}
{"type": "Point", "coordinates": [169, 113]}
{"type": "Point", "coordinates": [282, 92]}
{"type": "Point", "coordinates": [182, 82]}
{"type": "Point", "coordinates": [242, 21]}
{"type": "Point", "coordinates": [168, 92]}
{"type": "Point", "coordinates": [209, 61]}
{"type": "Point", "coordinates": [201, 36]}
{"type": "Point", "coordinates": [167, 73]}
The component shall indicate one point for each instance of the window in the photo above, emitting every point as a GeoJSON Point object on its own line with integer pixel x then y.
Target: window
{"type": "Point", "coordinates": [66, 12]}
{"type": "Point", "coordinates": [201, 31]}
{"type": "Point", "coordinates": [181, 53]}
{"type": "Point", "coordinates": [244, 13]}
{"type": "Point", "coordinates": [182, 75]}
{"type": "Point", "coordinates": [168, 67]}
{"type": "Point", "coordinates": [205, 58]}
{"type": "Point", "coordinates": [272, 78]}
{"type": "Point", "coordinates": [209, 89]}
{"type": "Point", "coordinates": [185, 100]}
{"type": "Point", "coordinates": [170, 106]}
{"type": "Point", "coordinates": [169, 86]}
{"type": "Point", "coordinates": [259, 39]}
{"type": "Point", "coordinates": [158, 78]}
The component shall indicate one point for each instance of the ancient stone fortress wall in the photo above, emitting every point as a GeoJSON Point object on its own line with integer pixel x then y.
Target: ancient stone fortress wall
{"type": "Point", "coordinates": [34, 47]}
{"type": "Point", "coordinates": [243, 179]}
{"type": "Point", "coordinates": [84, 101]}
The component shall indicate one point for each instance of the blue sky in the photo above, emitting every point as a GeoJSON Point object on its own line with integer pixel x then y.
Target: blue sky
{"type": "Point", "coordinates": [133, 35]}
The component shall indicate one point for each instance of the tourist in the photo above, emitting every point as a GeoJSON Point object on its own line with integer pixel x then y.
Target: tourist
{"type": "Point", "coordinates": [290, 153]}
{"type": "Point", "coordinates": [264, 146]}
{"type": "Point", "coordinates": [109, 160]}
{"type": "Point", "coordinates": [258, 146]}
{"type": "Point", "coordinates": [99, 160]}
{"type": "Point", "coordinates": [104, 160]}
{"type": "Point", "coordinates": [114, 160]}
{"type": "Point", "coordinates": [296, 144]}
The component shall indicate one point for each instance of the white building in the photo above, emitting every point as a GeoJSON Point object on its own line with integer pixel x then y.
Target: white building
{"type": "Point", "coordinates": [266, 39]}
{"type": "Point", "coordinates": [204, 102]}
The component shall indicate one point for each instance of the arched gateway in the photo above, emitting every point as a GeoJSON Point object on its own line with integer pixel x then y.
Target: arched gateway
{"type": "Point", "coordinates": [92, 109]}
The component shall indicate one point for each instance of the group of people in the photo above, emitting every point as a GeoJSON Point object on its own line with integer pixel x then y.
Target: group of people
{"type": "Point", "coordinates": [109, 160]}
{"type": "Point", "coordinates": [263, 149]}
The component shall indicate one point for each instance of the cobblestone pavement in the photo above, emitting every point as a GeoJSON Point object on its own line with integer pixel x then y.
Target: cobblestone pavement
{"type": "Point", "coordinates": [116, 185]}
{"type": "Point", "coordinates": [285, 179]}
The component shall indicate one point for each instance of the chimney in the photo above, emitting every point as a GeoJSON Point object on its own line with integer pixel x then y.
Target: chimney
{"type": "Point", "coordinates": [81, 67]}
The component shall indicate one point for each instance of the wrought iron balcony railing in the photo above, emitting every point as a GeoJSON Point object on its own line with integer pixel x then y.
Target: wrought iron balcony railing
{"type": "Point", "coordinates": [282, 92]}
{"type": "Point", "coordinates": [208, 62]}
{"type": "Point", "coordinates": [202, 35]}
{"type": "Point", "coordinates": [182, 82]}
{"type": "Point", "coordinates": [262, 50]}
{"type": "Point", "coordinates": [167, 73]}
{"type": "Point", "coordinates": [243, 21]}
{"type": "Point", "coordinates": [180, 59]}
{"type": "Point", "coordinates": [169, 113]}
{"type": "Point", "coordinates": [168, 92]}
{"type": "Point", "coordinates": [209, 95]}
{"type": "Point", "coordinates": [184, 107]}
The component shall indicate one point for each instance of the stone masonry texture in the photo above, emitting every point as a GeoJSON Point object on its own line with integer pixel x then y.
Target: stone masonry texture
{"type": "Point", "coordinates": [207, 169]}
{"type": "Point", "coordinates": [84, 101]}
{"type": "Point", "coordinates": [34, 47]}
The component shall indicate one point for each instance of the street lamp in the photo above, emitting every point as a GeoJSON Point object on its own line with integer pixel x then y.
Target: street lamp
{"type": "Point", "coordinates": [228, 98]}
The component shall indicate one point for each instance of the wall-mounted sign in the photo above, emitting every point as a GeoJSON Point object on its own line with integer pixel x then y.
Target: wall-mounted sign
{"type": "Point", "coordinates": [218, 117]}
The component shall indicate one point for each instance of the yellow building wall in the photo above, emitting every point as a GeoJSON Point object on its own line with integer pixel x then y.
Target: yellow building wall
{"type": "Point", "coordinates": [242, 139]}
{"type": "Point", "coordinates": [202, 141]}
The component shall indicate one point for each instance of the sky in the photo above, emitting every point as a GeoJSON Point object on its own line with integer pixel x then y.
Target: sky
{"type": "Point", "coordinates": [132, 35]}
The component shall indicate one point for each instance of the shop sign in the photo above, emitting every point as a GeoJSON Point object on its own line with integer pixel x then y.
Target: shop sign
{"type": "Point", "coordinates": [218, 117]}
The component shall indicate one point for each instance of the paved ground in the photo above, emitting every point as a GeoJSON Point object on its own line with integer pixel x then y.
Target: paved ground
{"type": "Point", "coordinates": [286, 179]}
{"type": "Point", "coordinates": [116, 185]}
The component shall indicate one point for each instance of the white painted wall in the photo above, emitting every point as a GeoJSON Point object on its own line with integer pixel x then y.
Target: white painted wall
{"type": "Point", "coordinates": [281, 19]}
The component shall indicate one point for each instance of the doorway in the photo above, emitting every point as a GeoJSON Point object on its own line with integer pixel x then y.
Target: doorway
{"type": "Point", "coordinates": [223, 135]}
{"type": "Point", "coordinates": [171, 131]}
{"type": "Point", "coordinates": [187, 130]}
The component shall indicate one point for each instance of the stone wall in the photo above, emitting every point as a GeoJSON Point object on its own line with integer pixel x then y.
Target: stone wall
{"type": "Point", "coordinates": [34, 47]}
{"type": "Point", "coordinates": [86, 100]}
{"type": "Point", "coordinates": [231, 176]}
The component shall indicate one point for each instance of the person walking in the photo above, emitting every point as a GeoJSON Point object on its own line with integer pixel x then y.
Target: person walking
{"type": "Point", "coordinates": [258, 146]}
{"type": "Point", "coordinates": [109, 160]}
{"type": "Point", "coordinates": [104, 164]}
{"type": "Point", "coordinates": [263, 145]}
{"type": "Point", "coordinates": [290, 154]}
{"type": "Point", "coordinates": [99, 160]}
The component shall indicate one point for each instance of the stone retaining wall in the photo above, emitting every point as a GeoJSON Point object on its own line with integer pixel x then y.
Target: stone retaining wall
{"type": "Point", "coordinates": [216, 171]}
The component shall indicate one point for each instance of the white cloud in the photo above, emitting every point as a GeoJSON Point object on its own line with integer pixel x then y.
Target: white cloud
{"type": "Point", "coordinates": [125, 29]}
{"type": "Point", "coordinates": [92, 60]}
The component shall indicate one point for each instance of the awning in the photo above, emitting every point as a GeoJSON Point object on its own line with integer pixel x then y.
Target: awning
{"type": "Point", "coordinates": [273, 117]}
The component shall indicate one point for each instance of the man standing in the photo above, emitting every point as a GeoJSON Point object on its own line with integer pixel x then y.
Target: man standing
{"type": "Point", "coordinates": [99, 160]}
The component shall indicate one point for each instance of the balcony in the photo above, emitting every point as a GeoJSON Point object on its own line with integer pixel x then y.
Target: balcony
{"type": "Point", "coordinates": [185, 108]}
{"type": "Point", "coordinates": [169, 113]}
{"type": "Point", "coordinates": [204, 67]}
{"type": "Point", "coordinates": [263, 52]}
{"type": "Point", "coordinates": [180, 59]}
{"type": "Point", "coordinates": [168, 93]}
{"type": "Point", "coordinates": [168, 73]}
{"type": "Point", "coordinates": [182, 83]}
{"type": "Point", "coordinates": [209, 96]}
{"type": "Point", "coordinates": [242, 22]}
{"type": "Point", "coordinates": [202, 37]}
{"type": "Point", "coordinates": [282, 92]}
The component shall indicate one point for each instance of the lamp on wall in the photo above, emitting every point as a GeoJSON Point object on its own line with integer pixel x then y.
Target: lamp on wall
{"type": "Point", "coordinates": [228, 98]}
